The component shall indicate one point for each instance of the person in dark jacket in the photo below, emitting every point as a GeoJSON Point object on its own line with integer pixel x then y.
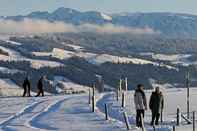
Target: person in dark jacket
{"type": "Point", "coordinates": [156, 105]}
{"type": "Point", "coordinates": [40, 87]}
{"type": "Point", "coordinates": [26, 87]}
{"type": "Point", "coordinates": [140, 104]}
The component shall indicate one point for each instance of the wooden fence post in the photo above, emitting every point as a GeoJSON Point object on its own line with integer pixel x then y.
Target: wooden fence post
{"type": "Point", "coordinates": [174, 128]}
{"type": "Point", "coordinates": [120, 86]}
{"type": "Point", "coordinates": [123, 99]}
{"type": "Point", "coordinates": [126, 85]}
{"type": "Point", "coordinates": [89, 99]}
{"type": "Point", "coordinates": [93, 90]}
{"type": "Point", "coordinates": [194, 124]}
{"type": "Point", "coordinates": [93, 100]}
{"type": "Point", "coordinates": [126, 120]}
{"type": "Point", "coordinates": [106, 112]}
{"type": "Point", "coordinates": [117, 95]}
{"type": "Point", "coordinates": [178, 117]}
{"type": "Point", "coordinates": [188, 94]}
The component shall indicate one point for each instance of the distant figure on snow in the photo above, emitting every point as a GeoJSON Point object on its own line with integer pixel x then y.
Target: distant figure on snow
{"type": "Point", "coordinates": [26, 87]}
{"type": "Point", "coordinates": [156, 105]}
{"type": "Point", "coordinates": [140, 104]}
{"type": "Point", "coordinates": [40, 87]}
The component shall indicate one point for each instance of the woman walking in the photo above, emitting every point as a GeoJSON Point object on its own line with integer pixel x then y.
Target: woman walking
{"type": "Point", "coordinates": [140, 104]}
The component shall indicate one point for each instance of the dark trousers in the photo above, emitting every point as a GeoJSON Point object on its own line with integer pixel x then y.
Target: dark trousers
{"type": "Point", "coordinates": [138, 117]}
{"type": "Point", "coordinates": [26, 91]}
{"type": "Point", "coordinates": [155, 118]}
{"type": "Point", "coordinates": [40, 91]}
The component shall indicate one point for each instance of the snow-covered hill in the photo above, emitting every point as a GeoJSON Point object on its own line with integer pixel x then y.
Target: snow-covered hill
{"type": "Point", "coordinates": [16, 56]}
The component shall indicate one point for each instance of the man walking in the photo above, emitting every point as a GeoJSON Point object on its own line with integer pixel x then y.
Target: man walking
{"type": "Point", "coordinates": [26, 87]}
{"type": "Point", "coordinates": [40, 87]}
{"type": "Point", "coordinates": [156, 105]}
{"type": "Point", "coordinates": [140, 104]}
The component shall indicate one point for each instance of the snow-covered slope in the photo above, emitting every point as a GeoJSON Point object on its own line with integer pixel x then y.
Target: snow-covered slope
{"type": "Point", "coordinates": [176, 59]}
{"type": "Point", "coordinates": [35, 63]}
{"type": "Point", "coordinates": [96, 59]}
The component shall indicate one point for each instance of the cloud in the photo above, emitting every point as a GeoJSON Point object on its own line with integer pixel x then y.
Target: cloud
{"type": "Point", "coordinates": [34, 26]}
{"type": "Point", "coordinates": [42, 26]}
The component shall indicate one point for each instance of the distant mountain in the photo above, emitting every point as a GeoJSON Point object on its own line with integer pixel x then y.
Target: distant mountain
{"type": "Point", "coordinates": [169, 24]}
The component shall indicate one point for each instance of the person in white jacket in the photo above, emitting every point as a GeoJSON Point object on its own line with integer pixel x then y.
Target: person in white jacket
{"type": "Point", "coordinates": [140, 104]}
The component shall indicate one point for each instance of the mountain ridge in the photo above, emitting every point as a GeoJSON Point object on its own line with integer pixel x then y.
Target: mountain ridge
{"type": "Point", "coordinates": [169, 24]}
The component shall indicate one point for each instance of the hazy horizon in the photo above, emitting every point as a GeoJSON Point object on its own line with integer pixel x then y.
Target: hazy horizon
{"type": "Point", "coordinates": [23, 7]}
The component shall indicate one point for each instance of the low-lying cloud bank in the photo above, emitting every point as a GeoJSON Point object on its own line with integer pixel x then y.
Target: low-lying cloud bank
{"type": "Point", "coordinates": [42, 26]}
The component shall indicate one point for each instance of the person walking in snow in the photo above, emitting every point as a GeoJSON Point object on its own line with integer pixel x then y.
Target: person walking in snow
{"type": "Point", "coordinates": [26, 87]}
{"type": "Point", "coordinates": [140, 104]}
{"type": "Point", "coordinates": [156, 105]}
{"type": "Point", "coordinates": [40, 87]}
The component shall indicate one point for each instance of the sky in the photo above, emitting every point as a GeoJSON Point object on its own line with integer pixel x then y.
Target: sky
{"type": "Point", "coordinates": [22, 7]}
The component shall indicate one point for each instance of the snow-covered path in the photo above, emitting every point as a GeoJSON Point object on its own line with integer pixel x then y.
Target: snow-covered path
{"type": "Point", "coordinates": [52, 113]}
{"type": "Point", "coordinates": [73, 114]}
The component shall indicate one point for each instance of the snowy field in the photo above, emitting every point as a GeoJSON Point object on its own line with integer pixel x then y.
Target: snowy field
{"type": "Point", "coordinates": [73, 113]}
{"type": "Point", "coordinates": [174, 98]}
